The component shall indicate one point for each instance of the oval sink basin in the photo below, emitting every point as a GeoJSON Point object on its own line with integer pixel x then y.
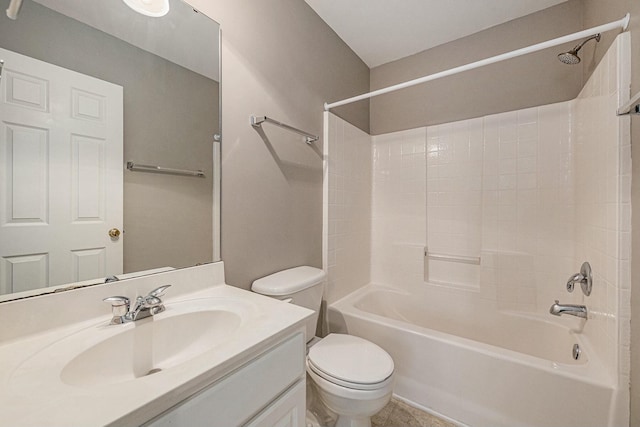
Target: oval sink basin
{"type": "Point", "coordinates": [149, 346]}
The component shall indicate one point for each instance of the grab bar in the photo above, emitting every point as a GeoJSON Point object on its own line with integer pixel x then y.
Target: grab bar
{"type": "Point", "coordinates": [160, 169]}
{"type": "Point", "coordinates": [256, 122]}
{"type": "Point", "coordinates": [1, 67]}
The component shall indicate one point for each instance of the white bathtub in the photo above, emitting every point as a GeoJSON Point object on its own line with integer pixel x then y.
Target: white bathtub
{"type": "Point", "coordinates": [459, 358]}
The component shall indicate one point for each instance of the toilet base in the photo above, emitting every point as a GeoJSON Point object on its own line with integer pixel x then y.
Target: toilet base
{"type": "Point", "coordinates": [354, 408]}
{"type": "Point", "coordinates": [318, 415]}
{"type": "Point", "coordinates": [346, 421]}
{"type": "Point", "coordinates": [311, 420]}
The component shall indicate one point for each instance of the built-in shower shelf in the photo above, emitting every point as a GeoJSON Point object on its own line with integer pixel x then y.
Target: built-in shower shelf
{"type": "Point", "coordinates": [452, 258]}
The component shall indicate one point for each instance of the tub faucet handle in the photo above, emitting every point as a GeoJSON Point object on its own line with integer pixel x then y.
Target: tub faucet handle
{"type": "Point", "coordinates": [571, 283]}
{"type": "Point", "coordinates": [584, 278]}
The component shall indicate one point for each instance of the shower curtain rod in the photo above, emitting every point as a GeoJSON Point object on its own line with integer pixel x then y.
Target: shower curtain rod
{"type": "Point", "coordinates": [621, 23]}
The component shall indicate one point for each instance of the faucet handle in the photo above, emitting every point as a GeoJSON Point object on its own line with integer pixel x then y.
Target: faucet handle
{"type": "Point", "coordinates": [117, 301]}
{"type": "Point", "coordinates": [572, 281]}
{"type": "Point", "coordinates": [158, 292]}
{"type": "Point", "coordinates": [119, 308]}
{"type": "Point", "coordinates": [584, 278]}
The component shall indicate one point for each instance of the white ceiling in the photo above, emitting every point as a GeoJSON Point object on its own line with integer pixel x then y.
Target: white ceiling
{"type": "Point", "coordinates": [380, 31]}
{"type": "Point", "coordinates": [180, 37]}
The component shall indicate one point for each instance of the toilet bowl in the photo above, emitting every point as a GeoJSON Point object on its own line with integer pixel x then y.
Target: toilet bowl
{"type": "Point", "coordinates": [353, 376]}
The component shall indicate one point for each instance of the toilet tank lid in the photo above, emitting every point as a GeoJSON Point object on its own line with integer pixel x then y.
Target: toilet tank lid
{"type": "Point", "coordinates": [289, 281]}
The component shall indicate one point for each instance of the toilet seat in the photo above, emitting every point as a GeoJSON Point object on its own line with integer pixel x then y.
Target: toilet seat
{"type": "Point", "coordinates": [351, 362]}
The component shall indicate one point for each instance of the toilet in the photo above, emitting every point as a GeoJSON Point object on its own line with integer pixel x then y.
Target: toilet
{"type": "Point", "coordinates": [354, 377]}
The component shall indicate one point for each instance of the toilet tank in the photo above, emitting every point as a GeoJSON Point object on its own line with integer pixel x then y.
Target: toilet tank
{"type": "Point", "coordinates": [301, 286]}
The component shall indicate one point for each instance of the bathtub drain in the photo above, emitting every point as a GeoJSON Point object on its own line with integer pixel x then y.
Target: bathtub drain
{"type": "Point", "coordinates": [576, 352]}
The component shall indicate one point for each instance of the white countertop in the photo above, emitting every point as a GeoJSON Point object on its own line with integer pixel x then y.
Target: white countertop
{"type": "Point", "coordinates": [33, 393]}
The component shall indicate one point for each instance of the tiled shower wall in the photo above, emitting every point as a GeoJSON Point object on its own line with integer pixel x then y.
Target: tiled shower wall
{"type": "Point", "coordinates": [497, 188]}
{"type": "Point", "coordinates": [527, 217]}
{"type": "Point", "coordinates": [602, 179]}
{"type": "Point", "coordinates": [347, 195]}
{"type": "Point", "coordinates": [454, 199]}
{"type": "Point", "coordinates": [399, 207]}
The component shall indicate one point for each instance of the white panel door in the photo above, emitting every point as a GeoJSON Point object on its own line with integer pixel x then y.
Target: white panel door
{"type": "Point", "coordinates": [61, 166]}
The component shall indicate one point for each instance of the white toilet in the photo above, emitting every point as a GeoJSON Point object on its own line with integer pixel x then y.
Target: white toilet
{"type": "Point", "coordinates": [354, 377]}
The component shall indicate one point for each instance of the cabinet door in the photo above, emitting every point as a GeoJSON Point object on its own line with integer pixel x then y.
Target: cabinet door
{"type": "Point", "coordinates": [240, 395]}
{"type": "Point", "coordinates": [287, 411]}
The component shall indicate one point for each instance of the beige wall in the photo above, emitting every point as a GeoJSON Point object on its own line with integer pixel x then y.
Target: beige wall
{"type": "Point", "coordinates": [167, 219]}
{"type": "Point", "coordinates": [528, 81]}
{"type": "Point", "coordinates": [597, 12]}
{"type": "Point", "coordinates": [281, 60]}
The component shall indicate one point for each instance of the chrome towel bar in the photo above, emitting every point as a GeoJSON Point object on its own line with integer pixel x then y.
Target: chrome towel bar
{"type": "Point", "coordinates": [136, 167]}
{"type": "Point", "coordinates": [256, 122]}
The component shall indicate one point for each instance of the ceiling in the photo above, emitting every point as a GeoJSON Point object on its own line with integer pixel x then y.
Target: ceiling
{"type": "Point", "coordinates": [381, 31]}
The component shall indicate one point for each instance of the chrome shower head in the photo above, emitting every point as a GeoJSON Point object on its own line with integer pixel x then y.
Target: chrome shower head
{"type": "Point", "coordinates": [572, 57]}
{"type": "Point", "coordinates": [569, 58]}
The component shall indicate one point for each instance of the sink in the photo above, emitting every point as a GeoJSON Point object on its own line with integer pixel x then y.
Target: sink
{"type": "Point", "coordinates": [150, 346]}
{"type": "Point", "coordinates": [99, 355]}
{"type": "Point", "coordinates": [66, 365]}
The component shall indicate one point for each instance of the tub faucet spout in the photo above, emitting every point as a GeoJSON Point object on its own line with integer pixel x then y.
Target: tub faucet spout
{"type": "Point", "coordinates": [558, 309]}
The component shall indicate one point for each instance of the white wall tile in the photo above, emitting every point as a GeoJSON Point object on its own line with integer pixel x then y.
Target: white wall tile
{"type": "Point", "coordinates": [602, 161]}
{"type": "Point", "coordinates": [349, 164]}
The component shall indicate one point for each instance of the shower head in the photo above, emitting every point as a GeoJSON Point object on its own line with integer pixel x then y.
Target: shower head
{"type": "Point", "coordinates": [572, 57]}
{"type": "Point", "coordinates": [569, 58]}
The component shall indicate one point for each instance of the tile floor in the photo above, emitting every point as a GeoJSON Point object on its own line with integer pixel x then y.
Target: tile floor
{"type": "Point", "coordinates": [395, 414]}
{"type": "Point", "coordinates": [399, 414]}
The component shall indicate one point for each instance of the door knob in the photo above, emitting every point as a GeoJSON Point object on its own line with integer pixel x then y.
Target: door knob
{"type": "Point", "coordinates": [114, 233]}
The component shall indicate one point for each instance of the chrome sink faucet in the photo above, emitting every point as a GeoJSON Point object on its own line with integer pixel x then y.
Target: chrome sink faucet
{"type": "Point", "coordinates": [144, 307]}
{"type": "Point", "coordinates": [558, 309]}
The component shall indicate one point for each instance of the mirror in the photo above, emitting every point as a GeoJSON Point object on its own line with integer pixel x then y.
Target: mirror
{"type": "Point", "coordinates": [88, 87]}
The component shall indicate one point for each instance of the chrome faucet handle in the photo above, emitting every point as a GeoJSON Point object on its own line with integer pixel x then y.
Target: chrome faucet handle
{"type": "Point", "coordinates": [149, 305]}
{"type": "Point", "coordinates": [584, 278]}
{"type": "Point", "coordinates": [158, 292]}
{"type": "Point", "coordinates": [147, 302]}
{"type": "Point", "coordinates": [119, 308]}
{"type": "Point", "coordinates": [571, 283]}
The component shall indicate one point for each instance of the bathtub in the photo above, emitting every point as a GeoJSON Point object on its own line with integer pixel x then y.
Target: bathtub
{"type": "Point", "coordinates": [460, 358]}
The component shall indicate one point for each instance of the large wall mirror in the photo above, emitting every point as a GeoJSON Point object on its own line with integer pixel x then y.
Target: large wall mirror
{"type": "Point", "coordinates": [95, 96]}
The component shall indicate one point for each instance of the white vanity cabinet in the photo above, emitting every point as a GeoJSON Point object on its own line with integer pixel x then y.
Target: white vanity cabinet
{"type": "Point", "coordinates": [267, 391]}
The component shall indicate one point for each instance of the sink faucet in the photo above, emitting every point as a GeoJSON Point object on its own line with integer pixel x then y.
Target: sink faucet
{"type": "Point", "coordinates": [558, 309]}
{"type": "Point", "coordinates": [145, 306]}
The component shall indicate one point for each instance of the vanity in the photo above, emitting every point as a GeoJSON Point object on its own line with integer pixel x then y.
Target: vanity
{"type": "Point", "coordinates": [217, 355]}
